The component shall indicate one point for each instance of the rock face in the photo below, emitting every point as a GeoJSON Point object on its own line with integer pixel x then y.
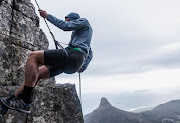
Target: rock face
{"type": "Point", "coordinates": [104, 103]}
{"type": "Point", "coordinates": [53, 104]}
{"type": "Point", "coordinates": [19, 35]}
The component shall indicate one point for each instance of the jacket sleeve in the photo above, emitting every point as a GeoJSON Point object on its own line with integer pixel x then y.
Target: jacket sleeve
{"type": "Point", "coordinates": [87, 61]}
{"type": "Point", "coordinates": [67, 25]}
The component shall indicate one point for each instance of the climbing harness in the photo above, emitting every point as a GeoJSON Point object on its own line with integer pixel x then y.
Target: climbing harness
{"type": "Point", "coordinates": [57, 43]}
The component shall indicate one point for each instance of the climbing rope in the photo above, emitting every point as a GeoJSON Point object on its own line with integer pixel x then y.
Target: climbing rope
{"type": "Point", "coordinates": [80, 98]}
{"type": "Point", "coordinates": [57, 43]}
{"type": "Point", "coordinates": [80, 89]}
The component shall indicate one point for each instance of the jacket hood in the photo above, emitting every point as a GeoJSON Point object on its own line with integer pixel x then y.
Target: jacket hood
{"type": "Point", "coordinates": [72, 16]}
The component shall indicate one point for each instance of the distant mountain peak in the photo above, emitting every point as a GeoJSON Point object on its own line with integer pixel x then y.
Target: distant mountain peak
{"type": "Point", "coordinates": [104, 102]}
{"type": "Point", "coordinates": [164, 113]}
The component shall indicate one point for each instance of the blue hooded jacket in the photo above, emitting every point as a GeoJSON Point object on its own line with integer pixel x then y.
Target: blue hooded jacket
{"type": "Point", "coordinates": [81, 34]}
{"type": "Point", "coordinates": [72, 16]}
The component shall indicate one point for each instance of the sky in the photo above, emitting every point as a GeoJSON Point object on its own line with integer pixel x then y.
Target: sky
{"type": "Point", "coordinates": [136, 47]}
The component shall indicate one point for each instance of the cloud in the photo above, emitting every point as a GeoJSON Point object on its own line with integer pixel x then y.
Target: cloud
{"type": "Point", "coordinates": [162, 56]}
{"type": "Point", "coordinates": [165, 56]}
{"type": "Point", "coordinates": [153, 80]}
{"type": "Point", "coordinates": [139, 91]}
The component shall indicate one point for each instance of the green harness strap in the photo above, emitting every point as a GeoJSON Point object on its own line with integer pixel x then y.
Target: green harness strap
{"type": "Point", "coordinates": [73, 48]}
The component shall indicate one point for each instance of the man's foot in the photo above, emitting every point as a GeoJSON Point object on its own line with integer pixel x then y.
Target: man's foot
{"type": "Point", "coordinates": [16, 104]}
{"type": "Point", "coordinates": [3, 110]}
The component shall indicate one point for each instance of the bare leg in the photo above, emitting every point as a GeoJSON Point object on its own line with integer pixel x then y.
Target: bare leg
{"type": "Point", "coordinates": [32, 74]}
{"type": "Point", "coordinates": [32, 68]}
{"type": "Point", "coordinates": [43, 74]}
{"type": "Point", "coordinates": [20, 90]}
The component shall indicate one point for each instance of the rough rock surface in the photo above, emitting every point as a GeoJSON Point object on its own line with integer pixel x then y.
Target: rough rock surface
{"type": "Point", "coordinates": [19, 35]}
{"type": "Point", "coordinates": [53, 104]}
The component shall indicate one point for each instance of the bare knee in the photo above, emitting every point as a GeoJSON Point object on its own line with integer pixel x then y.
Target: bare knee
{"type": "Point", "coordinates": [36, 56]}
{"type": "Point", "coordinates": [32, 56]}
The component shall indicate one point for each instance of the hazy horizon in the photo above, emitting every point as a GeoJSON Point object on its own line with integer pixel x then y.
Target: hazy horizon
{"type": "Point", "coordinates": [128, 101]}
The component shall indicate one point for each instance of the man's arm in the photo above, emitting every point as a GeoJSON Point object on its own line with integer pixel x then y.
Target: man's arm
{"type": "Point", "coordinates": [86, 62]}
{"type": "Point", "coordinates": [67, 25]}
{"type": "Point", "coordinates": [64, 25]}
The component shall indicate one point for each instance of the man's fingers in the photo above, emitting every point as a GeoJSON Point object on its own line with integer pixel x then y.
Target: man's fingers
{"type": "Point", "coordinates": [42, 13]}
{"type": "Point", "coordinates": [41, 10]}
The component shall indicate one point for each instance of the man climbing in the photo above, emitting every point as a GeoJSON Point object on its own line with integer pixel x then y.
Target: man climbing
{"type": "Point", "coordinates": [75, 58]}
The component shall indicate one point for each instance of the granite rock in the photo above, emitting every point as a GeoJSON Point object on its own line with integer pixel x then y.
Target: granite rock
{"type": "Point", "coordinates": [19, 35]}
{"type": "Point", "coordinates": [51, 104]}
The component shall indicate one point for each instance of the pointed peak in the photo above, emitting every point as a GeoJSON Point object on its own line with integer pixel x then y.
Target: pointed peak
{"type": "Point", "coordinates": [104, 102]}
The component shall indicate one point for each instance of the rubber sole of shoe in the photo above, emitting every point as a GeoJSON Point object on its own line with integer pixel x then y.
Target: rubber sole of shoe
{"type": "Point", "coordinates": [2, 111]}
{"type": "Point", "coordinates": [21, 110]}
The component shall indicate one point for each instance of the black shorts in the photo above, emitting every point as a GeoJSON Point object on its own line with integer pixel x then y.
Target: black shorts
{"type": "Point", "coordinates": [58, 62]}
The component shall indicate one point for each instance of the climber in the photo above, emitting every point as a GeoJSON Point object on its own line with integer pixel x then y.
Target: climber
{"type": "Point", "coordinates": [54, 62]}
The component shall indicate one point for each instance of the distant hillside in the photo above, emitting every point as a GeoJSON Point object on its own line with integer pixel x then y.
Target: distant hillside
{"type": "Point", "coordinates": [141, 109]}
{"type": "Point", "coordinates": [166, 113]}
{"type": "Point", "coordinates": [106, 113]}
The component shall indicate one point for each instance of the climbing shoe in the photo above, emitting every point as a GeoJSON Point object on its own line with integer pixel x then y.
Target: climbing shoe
{"type": "Point", "coordinates": [16, 104]}
{"type": "Point", "coordinates": [3, 110]}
